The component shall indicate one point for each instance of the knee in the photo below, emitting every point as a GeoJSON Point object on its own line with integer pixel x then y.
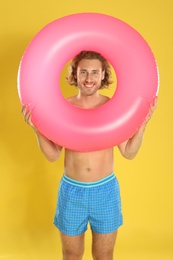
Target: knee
{"type": "Point", "coordinates": [72, 255]}
{"type": "Point", "coordinates": [102, 255]}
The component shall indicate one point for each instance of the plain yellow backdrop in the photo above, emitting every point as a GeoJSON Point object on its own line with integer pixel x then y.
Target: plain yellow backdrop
{"type": "Point", "coordinates": [28, 183]}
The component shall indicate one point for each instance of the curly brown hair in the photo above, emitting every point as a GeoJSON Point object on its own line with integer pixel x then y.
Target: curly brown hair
{"type": "Point", "coordinates": [90, 55]}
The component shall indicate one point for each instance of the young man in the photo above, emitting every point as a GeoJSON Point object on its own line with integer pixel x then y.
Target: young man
{"type": "Point", "coordinates": [89, 190]}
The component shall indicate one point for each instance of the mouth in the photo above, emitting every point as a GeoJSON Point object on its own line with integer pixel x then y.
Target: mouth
{"type": "Point", "coordinates": [89, 85]}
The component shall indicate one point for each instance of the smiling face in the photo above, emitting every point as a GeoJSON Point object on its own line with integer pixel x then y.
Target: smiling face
{"type": "Point", "coordinates": [89, 76]}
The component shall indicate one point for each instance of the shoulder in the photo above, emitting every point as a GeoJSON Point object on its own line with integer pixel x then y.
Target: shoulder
{"type": "Point", "coordinates": [72, 99]}
{"type": "Point", "coordinates": [104, 99]}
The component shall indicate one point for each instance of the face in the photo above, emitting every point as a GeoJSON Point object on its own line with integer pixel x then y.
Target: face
{"type": "Point", "coordinates": [89, 76]}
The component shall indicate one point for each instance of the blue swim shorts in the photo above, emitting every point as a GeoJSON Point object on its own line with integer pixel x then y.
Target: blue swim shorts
{"type": "Point", "coordinates": [80, 203]}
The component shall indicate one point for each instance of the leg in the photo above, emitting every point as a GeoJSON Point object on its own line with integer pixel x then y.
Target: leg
{"type": "Point", "coordinates": [103, 246]}
{"type": "Point", "coordinates": [72, 247]}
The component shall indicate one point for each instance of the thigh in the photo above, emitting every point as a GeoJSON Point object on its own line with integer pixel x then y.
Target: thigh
{"type": "Point", "coordinates": [105, 208]}
{"type": "Point", "coordinates": [71, 216]}
{"type": "Point", "coordinates": [72, 246]}
{"type": "Point", "coordinates": [103, 245]}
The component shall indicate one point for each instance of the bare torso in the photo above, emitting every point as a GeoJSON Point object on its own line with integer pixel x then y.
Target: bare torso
{"type": "Point", "coordinates": [89, 166]}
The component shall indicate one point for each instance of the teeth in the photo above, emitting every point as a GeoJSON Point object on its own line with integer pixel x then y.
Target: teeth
{"type": "Point", "coordinates": [88, 86]}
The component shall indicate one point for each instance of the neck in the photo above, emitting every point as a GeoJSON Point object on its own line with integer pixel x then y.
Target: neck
{"type": "Point", "coordinates": [89, 101]}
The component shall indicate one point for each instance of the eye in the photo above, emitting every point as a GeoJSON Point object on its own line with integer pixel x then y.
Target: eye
{"type": "Point", "coordinates": [95, 72]}
{"type": "Point", "coordinates": [83, 72]}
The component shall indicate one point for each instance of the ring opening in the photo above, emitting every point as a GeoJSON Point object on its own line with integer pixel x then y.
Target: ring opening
{"type": "Point", "coordinates": [68, 91]}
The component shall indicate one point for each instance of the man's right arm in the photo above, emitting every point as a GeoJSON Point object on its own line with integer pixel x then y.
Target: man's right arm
{"type": "Point", "coordinates": [50, 150]}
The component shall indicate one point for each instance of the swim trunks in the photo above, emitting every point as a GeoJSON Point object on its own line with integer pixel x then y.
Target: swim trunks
{"type": "Point", "coordinates": [80, 203]}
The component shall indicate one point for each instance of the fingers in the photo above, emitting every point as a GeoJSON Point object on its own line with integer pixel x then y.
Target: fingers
{"type": "Point", "coordinates": [153, 106]}
{"type": "Point", "coordinates": [155, 102]}
{"type": "Point", "coordinates": [27, 115]}
{"type": "Point", "coordinates": [25, 112]}
{"type": "Point", "coordinates": [151, 110]}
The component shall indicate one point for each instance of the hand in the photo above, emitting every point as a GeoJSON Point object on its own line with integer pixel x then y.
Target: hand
{"type": "Point", "coordinates": [151, 110]}
{"type": "Point", "coordinates": [149, 116]}
{"type": "Point", "coordinates": [27, 117]}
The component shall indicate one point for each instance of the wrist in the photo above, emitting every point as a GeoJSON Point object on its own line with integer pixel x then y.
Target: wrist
{"type": "Point", "coordinates": [35, 130]}
{"type": "Point", "coordinates": [142, 128]}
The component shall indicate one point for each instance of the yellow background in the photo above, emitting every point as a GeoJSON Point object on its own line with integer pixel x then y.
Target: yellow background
{"type": "Point", "coordinates": [28, 183]}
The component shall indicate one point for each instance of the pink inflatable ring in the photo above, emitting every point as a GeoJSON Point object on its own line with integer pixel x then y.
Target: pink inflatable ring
{"type": "Point", "coordinates": [88, 129]}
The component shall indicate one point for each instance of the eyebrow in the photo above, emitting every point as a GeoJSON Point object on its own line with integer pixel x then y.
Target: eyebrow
{"type": "Point", "coordinates": [86, 70]}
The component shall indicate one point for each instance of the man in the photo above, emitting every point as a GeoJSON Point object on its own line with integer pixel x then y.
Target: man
{"type": "Point", "coordinates": [89, 190]}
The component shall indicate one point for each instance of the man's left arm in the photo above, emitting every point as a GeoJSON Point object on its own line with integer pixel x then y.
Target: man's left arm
{"type": "Point", "coordinates": [130, 148]}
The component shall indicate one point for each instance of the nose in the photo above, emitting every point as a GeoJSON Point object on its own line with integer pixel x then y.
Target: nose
{"type": "Point", "coordinates": [89, 77]}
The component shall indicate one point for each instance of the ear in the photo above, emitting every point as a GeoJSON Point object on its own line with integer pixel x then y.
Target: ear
{"type": "Point", "coordinates": [103, 74]}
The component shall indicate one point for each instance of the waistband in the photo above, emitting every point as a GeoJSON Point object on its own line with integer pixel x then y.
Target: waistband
{"type": "Point", "coordinates": [88, 184]}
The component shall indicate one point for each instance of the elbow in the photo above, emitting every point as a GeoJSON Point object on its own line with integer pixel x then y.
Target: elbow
{"type": "Point", "coordinates": [130, 156]}
{"type": "Point", "coordinates": [51, 155]}
{"type": "Point", "coordinates": [52, 158]}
